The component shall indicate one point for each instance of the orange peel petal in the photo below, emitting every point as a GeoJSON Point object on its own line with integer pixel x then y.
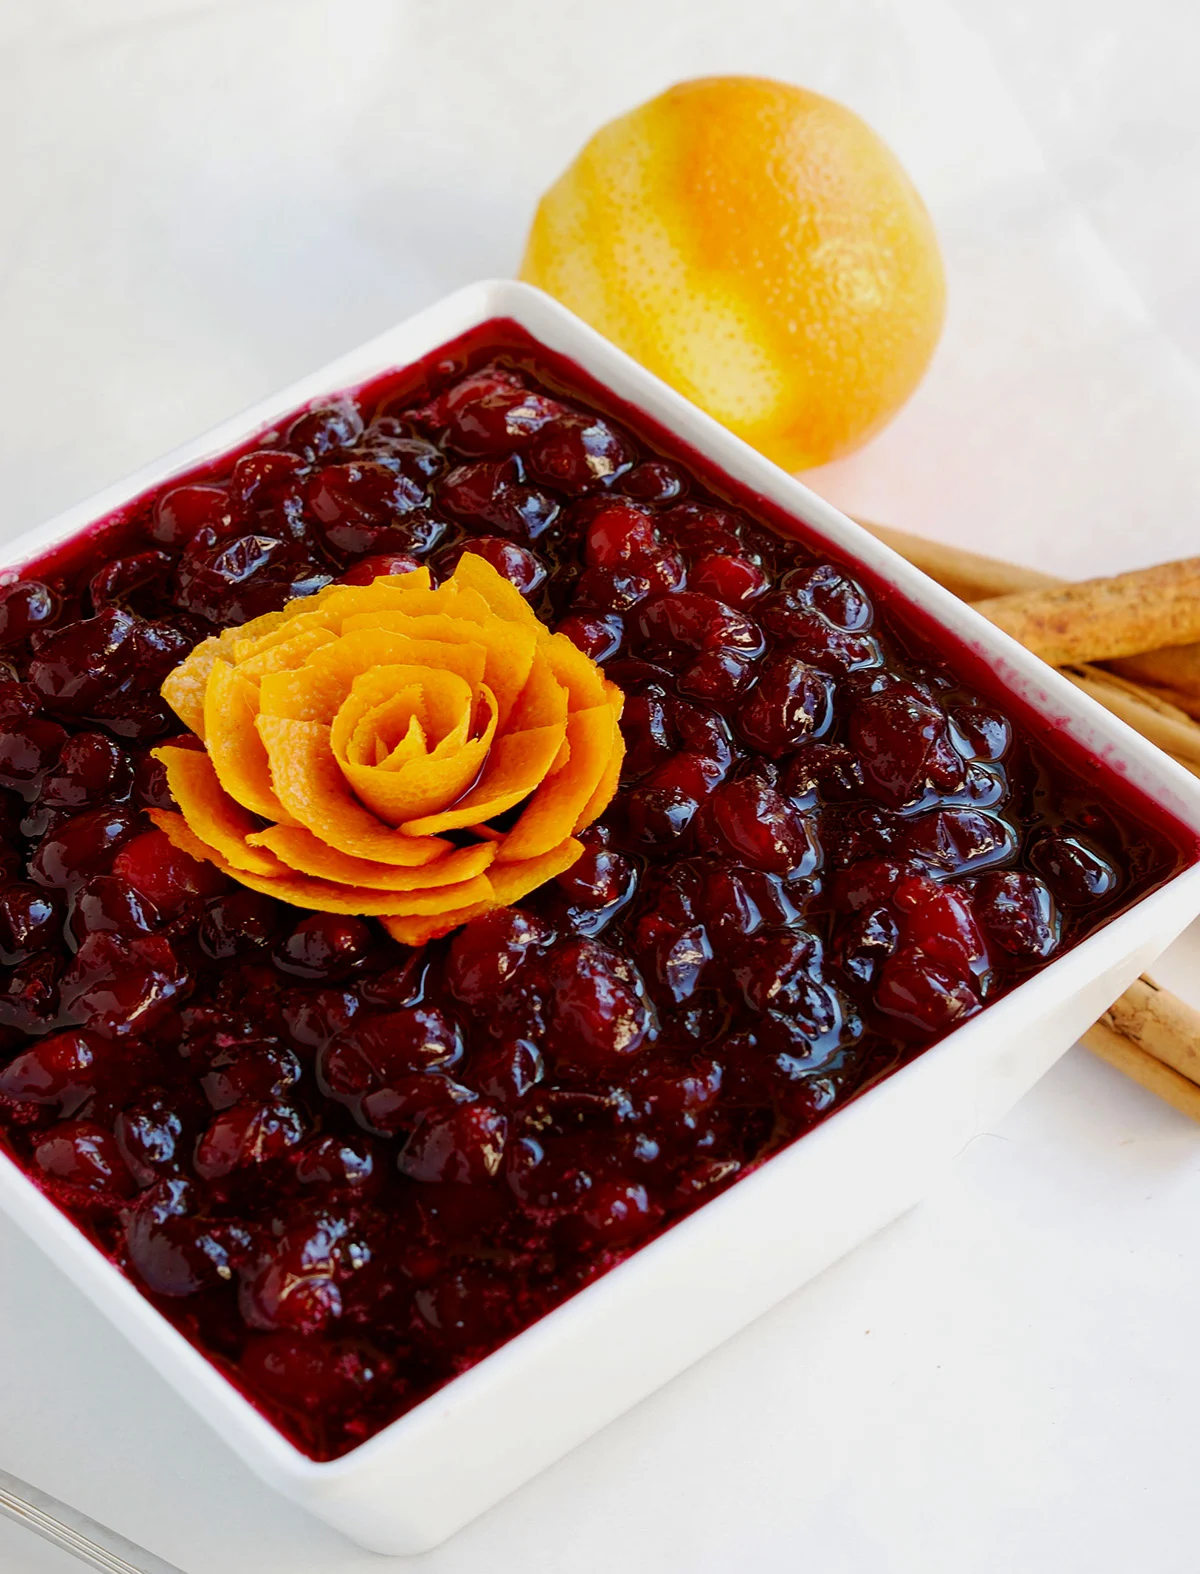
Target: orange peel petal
{"type": "Point", "coordinates": [217, 819]}
{"type": "Point", "coordinates": [556, 806]}
{"type": "Point", "coordinates": [304, 853]}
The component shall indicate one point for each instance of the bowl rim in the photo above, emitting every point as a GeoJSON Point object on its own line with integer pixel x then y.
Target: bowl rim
{"type": "Point", "coordinates": [1119, 747]}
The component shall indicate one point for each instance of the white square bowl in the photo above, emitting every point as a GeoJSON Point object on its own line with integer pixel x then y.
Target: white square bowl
{"type": "Point", "coordinates": [474, 1441]}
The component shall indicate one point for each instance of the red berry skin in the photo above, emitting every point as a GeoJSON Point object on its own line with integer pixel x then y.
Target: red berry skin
{"type": "Point", "coordinates": [165, 875]}
{"type": "Point", "coordinates": [118, 987]}
{"type": "Point", "coordinates": [463, 1147]}
{"type": "Point", "coordinates": [62, 1071]}
{"type": "Point", "coordinates": [246, 1135]}
{"type": "Point", "coordinates": [81, 1153]}
{"type": "Point", "coordinates": [762, 827]}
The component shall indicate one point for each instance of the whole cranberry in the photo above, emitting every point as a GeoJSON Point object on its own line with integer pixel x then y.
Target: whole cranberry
{"type": "Point", "coordinates": [466, 1308]}
{"type": "Point", "coordinates": [730, 579]}
{"type": "Point", "coordinates": [653, 481]}
{"type": "Point", "coordinates": [924, 993]}
{"type": "Point", "coordinates": [174, 1249]}
{"type": "Point", "coordinates": [760, 826]}
{"type": "Point", "coordinates": [402, 984]}
{"type": "Point", "coordinates": [517, 564]}
{"type": "Point", "coordinates": [789, 704]}
{"type": "Point", "coordinates": [487, 955]}
{"type": "Point", "coordinates": [184, 510]}
{"type": "Point", "coordinates": [325, 946]}
{"type": "Point", "coordinates": [246, 1135]}
{"type": "Point", "coordinates": [149, 1134]}
{"type": "Point", "coordinates": [600, 1011]}
{"type": "Point", "coordinates": [665, 802]}
{"type": "Point", "coordinates": [866, 942]}
{"type": "Point", "coordinates": [369, 569]}
{"type": "Point", "coordinates": [84, 845]}
{"type": "Point", "coordinates": [773, 969]}
{"type": "Point", "coordinates": [83, 1154]}
{"type": "Point", "coordinates": [30, 920]}
{"type": "Point", "coordinates": [489, 412]}
{"type": "Point", "coordinates": [494, 493]}
{"type": "Point", "coordinates": [107, 904]}
{"type": "Point", "coordinates": [1017, 911]}
{"type": "Point", "coordinates": [596, 635]}
{"type": "Point", "coordinates": [596, 887]}
{"type": "Point", "coordinates": [390, 1047]}
{"type": "Point", "coordinates": [131, 583]}
{"type": "Point", "coordinates": [64, 1070]}
{"type": "Point", "coordinates": [83, 663]}
{"type": "Point", "coordinates": [901, 737]}
{"type": "Point", "coordinates": [677, 956]}
{"type": "Point", "coordinates": [577, 453]}
{"type": "Point", "coordinates": [339, 1164]}
{"type": "Point", "coordinates": [25, 606]}
{"type": "Point", "coordinates": [117, 986]}
{"type": "Point", "coordinates": [315, 1017]}
{"type": "Point", "coordinates": [840, 600]}
{"type": "Point", "coordinates": [622, 536]}
{"type": "Point", "coordinates": [325, 429]}
{"type": "Point", "coordinates": [314, 1376]}
{"type": "Point", "coordinates": [90, 767]}
{"type": "Point", "coordinates": [254, 1072]}
{"type": "Point", "coordinates": [296, 1281]}
{"type": "Point", "coordinates": [609, 590]}
{"type": "Point", "coordinates": [266, 478]}
{"type": "Point", "coordinates": [231, 580]}
{"type": "Point", "coordinates": [238, 924]}
{"type": "Point", "coordinates": [615, 1213]}
{"type": "Point", "coordinates": [1075, 871]}
{"type": "Point", "coordinates": [700, 528]}
{"type": "Point", "coordinates": [352, 502]}
{"type": "Point", "coordinates": [29, 998]}
{"type": "Point", "coordinates": [465, 1146]}
{"type": "Point", "coordinates": [28, 751]}
{"type": "Point", "coordinates": [938, 920]}
{"type": "Point", "coordinates": [507, 1072]}
{"type": "Point", "coordinates": [164, 874]}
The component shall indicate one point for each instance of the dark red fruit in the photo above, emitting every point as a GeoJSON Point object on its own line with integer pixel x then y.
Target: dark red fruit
{"type": "Point", "coordinates": [577, 453]}
{"type": "Point", "coordinates": [296, 1281]}
{"type": "Point", "coordinates": [324, 946]}
{"type": "Point", "coordinates": [1074, 870]}
{"type": "Point", "coordinates": [238, 924]}
{"type": "Point", "coordinates": [117, 986]}
{"type": "Point", "coordinates": [174, 1248]}
{"type": "Point", "coordinates": [165, 875]}
{"type": "Point", "coordinates": [28, 751]}
{"type": "Point", "coordinates": [494, 494]}
{"type": "Point", "coordinates": [370, 568]}
{"type": "Point", "coordinates": [62, 1071]}
{"type": "Point", "coordinates": [259, 1072]}
{"type": "Point", "coordinates": [76, 667]}
{"type": "Point", "coordinates": [81, 1153]}
{"type": "Point", "coordinates": [84, 845]}
{"type": "Point", "coordinates": [759, 825]}
{"type": "Point", "coordinates": [789, 704]}
{"type": "Point", "coordinates": [465, 1146]}
{"type": "Point", "coordinates": [30, 920]}
{"type": "Point", "coordinates": [247, 1135]}
{"type": "Point", "coordinates": [600, 1014]}
{"type": "Point", "coordinates": [902, 740]}
{"type": "Point", "coordinates": [517, 564]}
{"type": "Point", "coordinates": [107, 904]}
{"type": "Point", "coordinates": [1017, 911]}
{"type": "Point", "coordinates": [180, 513]}
{"type": "Point", "coordinates": [487, 955]}
{"type": "Point", "coordinates": [25, 606]}
{"type": "Point", "coordinates": [149, 1134]}
{"type": "Point", "coordinates": [324, 430]}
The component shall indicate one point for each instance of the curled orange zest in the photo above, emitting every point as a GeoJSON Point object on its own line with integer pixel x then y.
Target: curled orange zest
{"type": "Point", "coordinates": [360, 744]}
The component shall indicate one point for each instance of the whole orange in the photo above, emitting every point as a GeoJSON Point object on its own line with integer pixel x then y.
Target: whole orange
{"type": "Point", "coordinates": [761, 249]}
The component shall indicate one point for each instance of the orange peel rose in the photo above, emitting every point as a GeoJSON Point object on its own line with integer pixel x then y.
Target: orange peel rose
{"type": "Point", "coordinates": [361, 744]}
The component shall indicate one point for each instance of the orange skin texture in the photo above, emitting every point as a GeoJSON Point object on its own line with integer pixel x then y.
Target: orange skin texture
{"type": "Point", "coordinates": [345, 736]}
{"type": "Point", "coordinates": [759, 248]}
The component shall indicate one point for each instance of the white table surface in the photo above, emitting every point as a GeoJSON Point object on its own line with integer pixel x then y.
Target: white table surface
{"type": "Point", "coordinates": [200, 201]}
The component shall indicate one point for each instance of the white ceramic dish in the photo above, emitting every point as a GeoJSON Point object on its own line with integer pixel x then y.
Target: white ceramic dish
{"type": "Point", "coordinates": [469, 1445]}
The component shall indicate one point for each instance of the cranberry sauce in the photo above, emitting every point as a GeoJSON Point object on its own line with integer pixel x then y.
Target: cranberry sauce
{"type": "Point", "coordinates": [346, 1170]}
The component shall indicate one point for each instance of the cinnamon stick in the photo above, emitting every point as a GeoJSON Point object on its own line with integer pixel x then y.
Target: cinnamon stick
{"type": "Point", "coordinates": [1098, 619]}
{"type": "Point", "coordinates": [974, 577]}
{"type": "Point", "coordinates": [1159, 1023]}
{"type": "Point", "coordinates": [1144, 1068]}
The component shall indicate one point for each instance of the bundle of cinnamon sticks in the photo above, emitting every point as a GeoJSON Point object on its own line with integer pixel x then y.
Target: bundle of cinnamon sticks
{"type": "Point", "coordinates": [1132, 642]}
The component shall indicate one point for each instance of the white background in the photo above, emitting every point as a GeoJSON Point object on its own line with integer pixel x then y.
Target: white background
{"type": "Point", "coordinates": [201, 201]}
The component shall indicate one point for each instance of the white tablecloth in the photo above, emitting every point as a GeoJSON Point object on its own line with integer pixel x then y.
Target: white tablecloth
{"type": "Point", "coordinates": [200, 201]}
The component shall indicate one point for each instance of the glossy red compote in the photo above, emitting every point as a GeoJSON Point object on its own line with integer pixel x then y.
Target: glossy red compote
{"type": "Point", "coordinates": [347, 1171]}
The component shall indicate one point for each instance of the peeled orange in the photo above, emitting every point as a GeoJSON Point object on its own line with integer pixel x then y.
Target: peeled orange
{"type": "Point", "coordinates": [761, 249]}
